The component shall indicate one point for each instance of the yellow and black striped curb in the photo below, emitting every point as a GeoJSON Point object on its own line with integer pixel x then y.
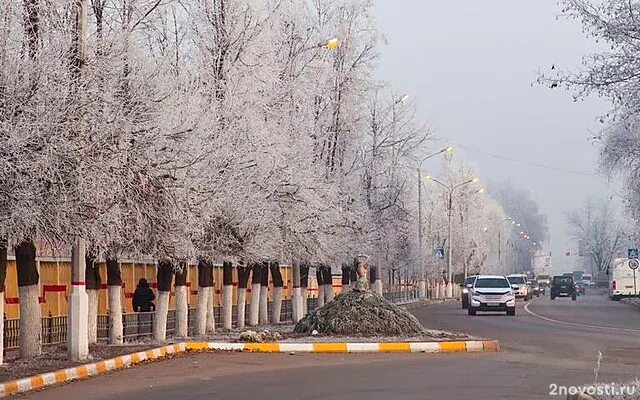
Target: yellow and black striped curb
{"type": "Point", "coordinates": [82, 371]}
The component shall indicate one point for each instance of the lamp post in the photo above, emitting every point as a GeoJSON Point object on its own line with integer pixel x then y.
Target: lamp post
{"type": "Point", "coordinates": [500, 233]}
{"type": "Point", "coordinates": [422, 286]}
{"type": "Point", "coordinates": [450, 189]}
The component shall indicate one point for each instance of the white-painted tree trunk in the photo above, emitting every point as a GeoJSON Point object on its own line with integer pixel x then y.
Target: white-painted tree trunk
{"type": "Point", "coordinates": [30, 322]}
{"type": "Point", "coordinates": [201, 311]}
{"type": "Point", "coordinates": [115, 314]}
{"type": "Point", "coordinates": [305, 300]}
{"type": "Point", "coordinates": [328, 293]}
{"type": "Point", "coordinates": [160, 319]}
{"type": "Point", "coordinates": [320, 295]}
{"type": "Point", "coordinates": [264, 305]}
{"type": "Point", "coordinates": [227, 307]}
{"type": "Point", "coordinates": [92, 313]}
{"type": "Point", "coordinates": [254, 307]}
{"type": "Point", "coordinates": [377, 286]}
{"type": "Point", "coordinates": [211, 316]}
{"type": "Point", "coordinates": [422, 289]}
{"type": "Point", "coordinates": [242, 301]}
{"type": "Point", "coordinates": [296, 304]}
{"type": "Point", "coordinates": [1, 328]}
{"type": "Point", "coordinates": [436, 290]}
{"type": "Point", "coordinates": [277, 305]}
{"type": "Point", "coordinates": [182, 311]}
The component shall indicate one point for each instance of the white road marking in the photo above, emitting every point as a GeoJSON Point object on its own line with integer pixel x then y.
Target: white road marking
{"type": "Point", "coordinates": [612, 328]}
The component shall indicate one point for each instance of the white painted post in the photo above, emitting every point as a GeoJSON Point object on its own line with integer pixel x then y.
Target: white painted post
{"type": "Point", "coordinates": [78, 320]}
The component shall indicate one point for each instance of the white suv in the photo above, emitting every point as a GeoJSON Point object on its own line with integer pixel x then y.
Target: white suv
{"type": "Point", "coordinates": [520, 286]}
{"type": "Point", "coordinates": [492, 293]}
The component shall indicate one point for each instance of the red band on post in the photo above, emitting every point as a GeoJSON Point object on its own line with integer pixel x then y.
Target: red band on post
{"type": "Point", "coordinates": [78, 283]}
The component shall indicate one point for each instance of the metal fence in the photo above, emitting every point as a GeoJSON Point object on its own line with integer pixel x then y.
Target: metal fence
{"type": "Point", "coordinates": [139, 326]}
{"type": "Point", "coordinates": [136, 326]}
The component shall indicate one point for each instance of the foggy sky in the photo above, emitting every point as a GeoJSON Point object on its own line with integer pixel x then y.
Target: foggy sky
{"type": "Point", "coordinates": [469, 65]}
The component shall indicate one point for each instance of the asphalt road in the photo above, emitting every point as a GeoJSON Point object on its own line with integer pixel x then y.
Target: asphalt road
{"type": "Point", "coordinates": [558, 346]}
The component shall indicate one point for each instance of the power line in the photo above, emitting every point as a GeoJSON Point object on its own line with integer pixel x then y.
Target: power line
{"type": "Point", "coordinates": [532, 164]}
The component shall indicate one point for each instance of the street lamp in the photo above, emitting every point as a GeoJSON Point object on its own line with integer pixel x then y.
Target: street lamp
{"type": "Point", "coordinates": [450, 189]}
{"type": "Point", "coordinates": [422, 287]}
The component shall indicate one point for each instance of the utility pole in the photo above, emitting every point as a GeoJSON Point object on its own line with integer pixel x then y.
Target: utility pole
{"type": "Point", "coordinates": [78, 325]}
{"type": "Point", "coordinates": [423, 285]}
{"type": "Point", "coordinates": [449, 248]}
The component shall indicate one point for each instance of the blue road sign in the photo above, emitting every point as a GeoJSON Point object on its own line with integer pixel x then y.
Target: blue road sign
{"type": "Point", "coordinates": [633, 254]}
{"type": "Point", "coordinates": [440, 252]}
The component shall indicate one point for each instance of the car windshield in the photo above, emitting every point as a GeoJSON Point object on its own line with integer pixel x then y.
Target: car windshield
{"type": "Point", "coordinates": [517, 280]}
{"type": "Point", "coordinates": [492, 283]}
{"type": "Point", "coordinates": [562, 280]}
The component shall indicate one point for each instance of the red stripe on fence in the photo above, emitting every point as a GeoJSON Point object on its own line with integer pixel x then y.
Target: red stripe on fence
{"type": "Point", "coordinates": [54, 288]}
{"type": "Point", "coordinates": [105, 286]}
{"type": "Point", "coordinates": [11, 300]}
{"type": "Point", "coordinates": [77, 283]}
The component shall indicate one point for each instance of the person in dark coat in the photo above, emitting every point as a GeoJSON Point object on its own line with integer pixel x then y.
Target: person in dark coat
{"type": "Point", "coordinates": [143, 297]}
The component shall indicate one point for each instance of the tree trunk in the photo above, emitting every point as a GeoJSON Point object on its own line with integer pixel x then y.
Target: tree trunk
{"type": "Point", "coordinates": [304, 284]}
{"type": "Point", "coordinates": [30, 315]}
{"type": "Point", "coordinates": [93, 280]}
{"type": "Point", "coordinates": [227, 295]}
{"type": "Point", "coordinates": [328, 284]}
{"type": "Point", "coordinates": [114, 284]}
{"type": "Point", "coordinates": [3, 276]}
{"type": "Point", "coordinates": [297, 294]}
{"type": "Point", "coordinates": [182, 303]}
{"type": "Point", "coordinates": [254, 307]}
{"type": "Point", "coordinates": [346, 278]}
{"type": "Point", "coordinates": [278, 283]}
{"type": "Point", "coordinates": [377, 286]}
{"type": "Point", "coordinates": [163, 279]}
{"type": "Point", "coordinates": [264, 293]}
{"type": "Point", "coordinates": [204, 308]}
{"type": "Point", "coordinates": [243, 282]}
{"type": "Point", "coordinates": [320, 281]}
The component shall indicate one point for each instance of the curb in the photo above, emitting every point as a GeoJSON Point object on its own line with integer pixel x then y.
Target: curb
{"type": "Point", "coordinates": [83, 371]}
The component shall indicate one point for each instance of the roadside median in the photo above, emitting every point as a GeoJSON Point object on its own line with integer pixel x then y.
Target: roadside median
{"type": "Point", "coordinates": [83, 371]}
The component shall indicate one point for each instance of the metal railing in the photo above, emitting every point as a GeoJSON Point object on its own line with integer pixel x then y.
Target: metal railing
{"type": "Point", "coordinates": [139, 326]}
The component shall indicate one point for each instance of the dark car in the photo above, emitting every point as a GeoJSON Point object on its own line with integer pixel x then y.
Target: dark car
{"type": "Point", "coordinates": [468, 284]}
{"type": "Point", "coordinates": [563, 285]}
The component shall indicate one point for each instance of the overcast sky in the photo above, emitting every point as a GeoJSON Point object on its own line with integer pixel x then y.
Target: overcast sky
{"type": "Point", "coordinates": [469, 66]}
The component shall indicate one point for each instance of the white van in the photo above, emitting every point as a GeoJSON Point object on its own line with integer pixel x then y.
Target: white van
{"type": "Point", "coordinates": [621, 279]}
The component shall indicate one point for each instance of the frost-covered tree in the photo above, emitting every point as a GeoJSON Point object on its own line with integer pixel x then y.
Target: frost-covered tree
{"type": "Point", "coordinates": [520, 205]}
{"type": "Point", "coordinates": [598, 225]}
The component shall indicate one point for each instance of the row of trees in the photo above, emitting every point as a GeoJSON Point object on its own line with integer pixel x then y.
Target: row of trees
{"type": "Point", "coordinates": [611, 73]}
{"type": "Point", "coordinates": [210, 129]}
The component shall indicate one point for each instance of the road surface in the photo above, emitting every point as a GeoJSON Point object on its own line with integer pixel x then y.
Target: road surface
{"type": "Point", "coordinates": [558, 345]}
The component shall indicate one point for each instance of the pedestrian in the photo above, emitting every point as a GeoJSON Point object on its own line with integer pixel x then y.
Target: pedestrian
{"type": "Point", "coordinates": [143, 297]}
